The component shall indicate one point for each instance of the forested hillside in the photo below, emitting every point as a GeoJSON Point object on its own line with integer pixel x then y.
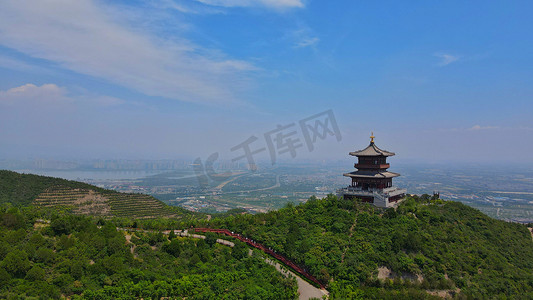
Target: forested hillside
{"type": "Point", "coordinates": [428, 245]}
{"type": "Point", "coordinates": [80, 198]}
{"type": "Point", "coordinates": [22, 189]}
{"type": "Point", "coordinates": [424, 248]}
{"type": "Point", "coordinates": [78, 256]}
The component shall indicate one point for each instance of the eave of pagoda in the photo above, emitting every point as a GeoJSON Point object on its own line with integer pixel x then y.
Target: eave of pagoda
{"type": "Point", "coordinates": [371, 174]}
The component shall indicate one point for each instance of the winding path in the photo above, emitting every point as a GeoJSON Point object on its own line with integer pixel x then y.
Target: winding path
{"type": "Point", "coordinates": [305, 289]}
{"type": "Point", "coordinates": [267, 250]}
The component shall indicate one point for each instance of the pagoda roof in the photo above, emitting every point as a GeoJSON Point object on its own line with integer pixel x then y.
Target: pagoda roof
{"type": "Point", "coordinates": [371, 174]}
{"type": "Point", "coordinates": [372, 150]}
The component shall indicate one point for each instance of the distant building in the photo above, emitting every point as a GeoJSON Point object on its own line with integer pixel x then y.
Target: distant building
{"type": "Point", "coordinates": [372, 182]}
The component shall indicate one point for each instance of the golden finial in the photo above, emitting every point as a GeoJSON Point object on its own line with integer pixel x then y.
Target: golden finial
{"type": "Point", "coordinates": [372, 138]}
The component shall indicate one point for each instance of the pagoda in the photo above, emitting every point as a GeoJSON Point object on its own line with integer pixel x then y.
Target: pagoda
{"type": "Point", "coordinates": [371, 182]}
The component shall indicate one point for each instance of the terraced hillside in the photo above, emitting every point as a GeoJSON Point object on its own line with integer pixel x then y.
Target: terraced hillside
{"type": "Point", "coordinates": [139, 206]}
{"type": "Point", "coordinates": [105, 204]}
{"type": "Point", "coordinates": [82, 201]}
{"type": "Point", "coordinates": [82, 198]}
{"type": "Point", "coordinates": [22, 189]}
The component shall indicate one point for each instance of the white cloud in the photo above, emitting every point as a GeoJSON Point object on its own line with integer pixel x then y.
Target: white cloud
{"type": "Point", "coordinates": [174, 5]}
{"type": "Point", "coordinates": [84, 37]}
{"type": "Point", "coordinates": [446, 59]}
{"type": "Point", "coordinates": [478, 127]}
{"type": "Point", "coordinates": [188, 7]}
{"type": "Point", "coordinates": [307, 42]}
{"type": "Point", "coordinates": [278, 4]}
{"type": "Point", "coordinates": [46, 93]}
{"type": "Point", "coordinates": [302, 37]}
{"type": "Point", "coordinates": [51, 95]}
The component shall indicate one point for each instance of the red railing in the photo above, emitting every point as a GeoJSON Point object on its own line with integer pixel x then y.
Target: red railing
{"type": "Point", "coordinates": [268, 251]}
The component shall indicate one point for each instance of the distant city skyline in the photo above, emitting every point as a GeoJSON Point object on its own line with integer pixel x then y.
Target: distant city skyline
{"type": "Point", "coordinates": [447, 81]}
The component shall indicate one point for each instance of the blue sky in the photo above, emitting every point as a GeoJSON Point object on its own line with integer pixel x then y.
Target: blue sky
{"type": "Point", "coordinates": [435, 80]}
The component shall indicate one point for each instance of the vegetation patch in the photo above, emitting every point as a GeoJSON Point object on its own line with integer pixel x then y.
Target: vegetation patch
{"type": "Point", "coordinates": [80, 198]}
{"type": "Point", "coordinates": [82, 257]}
{"type": "Point", "coordinates": [446, 246]}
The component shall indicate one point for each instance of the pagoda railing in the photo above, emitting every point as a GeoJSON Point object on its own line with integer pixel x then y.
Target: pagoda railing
{"type": "Point", "coordinates": [371, 166]}
{"type": "Point", "coordinates": [370, 192]}
{"type": "Point", "coordinates": [358, 190]}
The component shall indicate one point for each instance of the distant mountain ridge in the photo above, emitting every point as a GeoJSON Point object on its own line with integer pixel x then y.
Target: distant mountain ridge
{"type": "Point", "coordinates": [82, 198]}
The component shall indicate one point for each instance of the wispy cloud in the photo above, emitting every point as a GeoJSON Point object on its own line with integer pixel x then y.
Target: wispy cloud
{"type": "Point", "coordinates": [446, 59]}
{"type": "Point", "coordinates": [188, 7]}
{"type": "Point", "coordinates": [475, 128]}
{"type": "Point", "coordinates": [307, 42]}
{"type": "Point", "coordinates": [49, 95]}
{"type": "Point", "coordinates": [88, 38]}
{"type": "Point", "coordinates": [277, 4]}
{"type": "Point", "coordinates": [303, 37]}
{"type": "Point", "coordinates": [220, 6]}
{"type": "Point", "coordinates": [479, 127]}
{"type": "Point", "coordinates": [170, 4]}
{"type": "Point", "coordinates": [15, 64]}
{"type": "Point", "coordinates": [46, 93]}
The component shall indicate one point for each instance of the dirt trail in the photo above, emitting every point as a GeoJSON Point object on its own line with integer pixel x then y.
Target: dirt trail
{"type": "Point", "coordinates": [306, 290]}
{"type": "Point", "coordinates": [132, 247]}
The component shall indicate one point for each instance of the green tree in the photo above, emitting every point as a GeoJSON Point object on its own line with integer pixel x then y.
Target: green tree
{"type": "Point", "coordinates": [210, 239]}
{"type": "Point", "coordinates": [4, 276]}
{"type": "Point", "coordinates": [76, 269]}
{"type": "Point", "coordinates": [12, 219]}
{"type": "Point", "coordinates": [35, 274]}
{"type": "Point", "coordinates": [45, 255]}
{"type": "Point", "coordinates": [239, 251]}
{"type": "Point", "coordinates": [172, 235]}
{"type": "Point", "coordinates": [61, 225]}
{"type": "Point", "coordinates": [16, 263]}
{"type": "Point", "coordinates": [173, 248]}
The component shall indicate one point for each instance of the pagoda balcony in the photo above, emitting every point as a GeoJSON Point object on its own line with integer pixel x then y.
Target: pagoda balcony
{"type": "Point", "coordinates": [388, 197]}
{"type": "Point", "coordinates": [371, 166]}
{"type": "Point", "coordinates": [389, 192]}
